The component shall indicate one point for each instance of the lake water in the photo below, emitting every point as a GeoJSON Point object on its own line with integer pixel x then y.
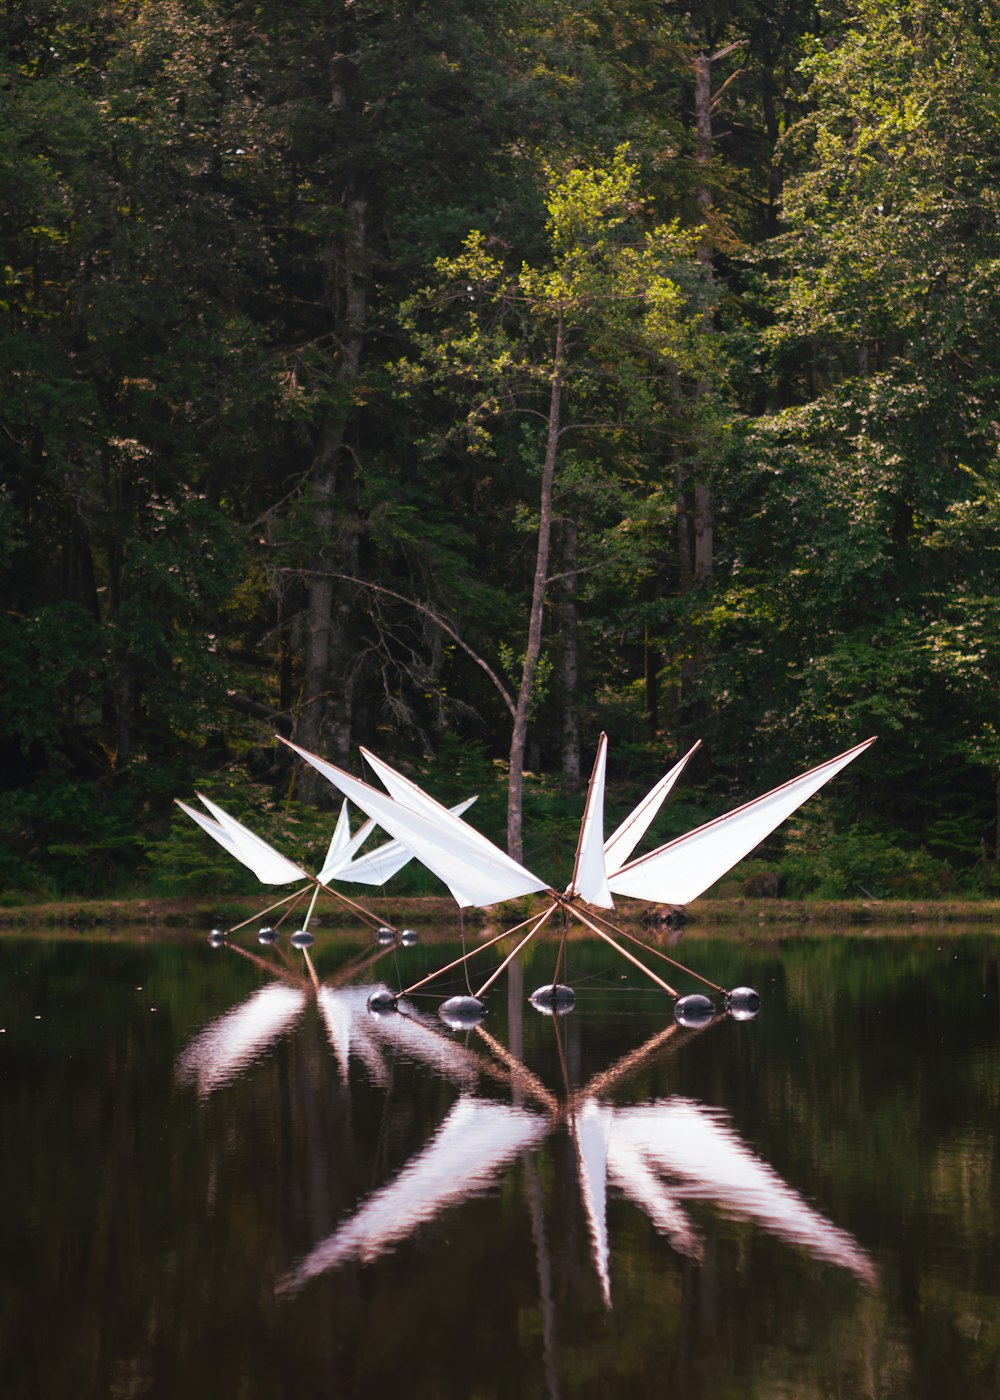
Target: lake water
{"type": "Point", "coordinates": [222, 1177]}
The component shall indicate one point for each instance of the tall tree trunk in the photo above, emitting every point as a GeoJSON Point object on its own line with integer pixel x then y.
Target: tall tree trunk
{"type": "Point", "coordinates": [534, 647]}
{"type": "Point", "coordinates": [569, 658]}
{"type": "Point", "coordinates": [326, 619]}
{"type": "Point", "coordinates": [704, 536]}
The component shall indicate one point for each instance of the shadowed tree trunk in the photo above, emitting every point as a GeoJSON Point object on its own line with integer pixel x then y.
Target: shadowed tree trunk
{"type": "Point", "coordinates": [324, 712]}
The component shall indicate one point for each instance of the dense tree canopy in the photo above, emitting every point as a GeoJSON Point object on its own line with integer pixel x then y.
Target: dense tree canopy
{"type": "Point", "coordinates": [464, 379]}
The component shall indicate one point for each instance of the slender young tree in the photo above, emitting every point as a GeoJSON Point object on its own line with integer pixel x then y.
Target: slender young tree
{"type": "Point", "coordinates": [538, 340]}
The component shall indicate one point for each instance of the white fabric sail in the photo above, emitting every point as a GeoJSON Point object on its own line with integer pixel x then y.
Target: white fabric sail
{"type": "Point", "coordinates": [341, 832]}
{"type": "Point", "coordinates": [590, 875]}
{"type": "Point", "coordinates": [338, 859]}
{"type": "Point", "coordinates": [217, 832]}
{"type": "Point", "coordinates": [682, 869]}
{"type": "Point", "coordinates": [269, 865]}
{"type": "Point", "coordinates": [619, 846]}
{"type": "Point", "coordinates": [380, 865]}
{"type": "Point", "coordinates": [477, 872]}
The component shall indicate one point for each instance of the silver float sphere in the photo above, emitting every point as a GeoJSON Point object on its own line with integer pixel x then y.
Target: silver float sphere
{"type": "Point", "coordinates": [409, 937]}
{"type": "Point", "coordinates": [743, 1003]}
{"type": "Point", "coordinates": [381, 1001]}
{"type": "Point", "coordinates": [557, 1000]}
{"type": "Point", "coordinates": [216, 937]}
{"type": "Point", "coordinates": [462, 1013]}
{"type": "Point", "coordinates": [301, 938]}
{"type": "Point", "coordinates": [385, 935]}
{"type": "Point", "coordinates": [694, 1011]}
{"type": "Point", "coordinates": [267, 935]}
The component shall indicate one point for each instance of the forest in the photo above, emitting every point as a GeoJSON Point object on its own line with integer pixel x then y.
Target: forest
{"type": "Point", "coordinates": [462, 380]}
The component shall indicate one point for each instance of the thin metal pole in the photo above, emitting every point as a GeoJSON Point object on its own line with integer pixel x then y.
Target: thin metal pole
{"type": "Point", "coordinates": [312, 906]}
{"type": "Point", "coordinates": [296, 894]}
{"type": "Point", "coordinates": [293, 906]}
{"type": "Point", "coordinates": [623, 951]}
{"type": "Point", "coordinates": [561, 952]}
{"type": "Point", "coordinates": [358, 909]}
{"type": "Point", "coordinates": [623, 933]}
{"type": "Point", "coordinates": [481, 947]}
{"type": "Point", "coordinates": [513, 954]}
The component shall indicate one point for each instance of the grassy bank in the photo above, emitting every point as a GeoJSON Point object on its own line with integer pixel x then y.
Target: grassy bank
{"type": "Point", "coordinates": [706, 914]}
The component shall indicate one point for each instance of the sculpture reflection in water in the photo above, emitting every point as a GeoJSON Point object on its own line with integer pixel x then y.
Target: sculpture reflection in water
{"type": "Point", "coordinates": [659, 1155]}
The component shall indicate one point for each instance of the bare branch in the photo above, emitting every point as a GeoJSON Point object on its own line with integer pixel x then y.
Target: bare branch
{"type": "Point", "coordinates": [421, 608]}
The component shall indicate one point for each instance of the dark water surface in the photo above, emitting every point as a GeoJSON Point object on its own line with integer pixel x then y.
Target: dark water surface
{"type": "Point", "coordinates": [223, 1178]}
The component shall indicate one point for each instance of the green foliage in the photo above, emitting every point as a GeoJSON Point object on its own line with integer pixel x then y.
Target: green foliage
{"type": "Point", "coordinates": [865, 862]}
{"type": "Point", "coordinates": [184, 278]}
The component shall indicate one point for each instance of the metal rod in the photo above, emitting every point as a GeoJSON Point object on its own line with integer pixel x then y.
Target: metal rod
{"type": "Point", "coordinates": [624, 933]}
{"type": "Point", "coordinates": [514, 952]}
{"type": "Point", "coordinates": [562, 950]}
{"type": "Point", "coordinates": [312, 906]}
{"type": "Point", "coordinates": [296, 894]}
{"type": "Point", "coordinates": [623, 951]}
{"type": "Point", "coordinates": [481, 947]}
{"type": "Point", "coordinates": [358, 909]}
{"type": "Point", "coordinates": [293, 906]}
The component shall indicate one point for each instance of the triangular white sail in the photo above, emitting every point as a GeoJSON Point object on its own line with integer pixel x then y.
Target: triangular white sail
{"type": "Point", "coordinates": [682, 869]}
{"type": "Point", "coordinates": [342, 857]}
{"type": "Point", "coordinates": [341, 833]}
{"type": "Point", "coordinates": [619, 846]}
{"type": "Point", "coordinates": [269, 865]}
{"type": "Point", "coordinates": [228, 1045]}
{"type": "Point", "coordinates": [218, 833]}
{"type": "Point", "coordinates": [696, 1144]}
{"type": "Point", "coordinates": [477, 872]}
{"type": "Point", "coordinates": [590, 876]}
{"type": "Point", "coordinates": [476, 1139]}
{"type": "Point", "coordinates": [404, 790]}
{"type": "Point", "coordinates": [380, 865]}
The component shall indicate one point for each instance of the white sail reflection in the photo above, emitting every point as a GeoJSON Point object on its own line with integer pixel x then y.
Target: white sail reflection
{"type": "Point", "coordinates": [591, 1130]}
{"type": "Point", "coordinates": [474, 1142]}
{"type": "Point", "coordinates": [345, 1012]}
{"type": "Point", "coordinates": [404, 1034]}
{"type": "Point", "coordinates": [632, 1174]}
{"type": "Point", "coordinates": [352, 1029]}
{"type": "Point", "coordinates": [697, 1148]}
{"type": "Point", "coordinates": [656, 1155]}
{"type": "Point", "coordinates": [220, 1052]}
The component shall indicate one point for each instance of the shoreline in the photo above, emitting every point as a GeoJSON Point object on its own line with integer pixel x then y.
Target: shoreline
{"type": "Point", "coordinates": [702, 916]}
